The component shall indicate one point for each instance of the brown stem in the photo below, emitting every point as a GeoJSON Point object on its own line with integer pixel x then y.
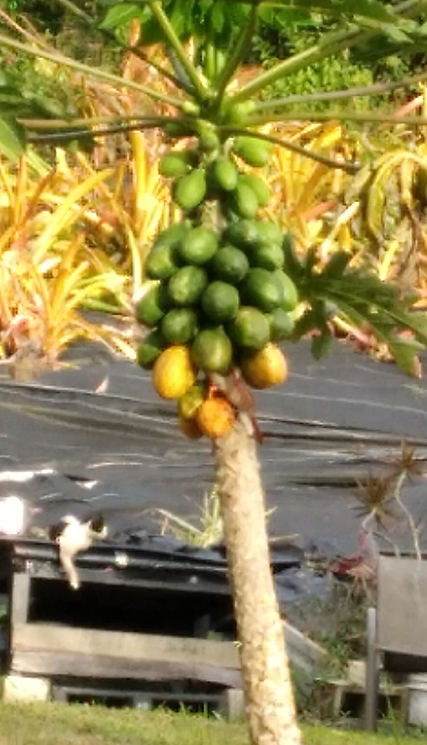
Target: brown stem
{"type": "Point", "coordinates": [411, 522]}
{"type": "Point", "coordinates": [267, 684]}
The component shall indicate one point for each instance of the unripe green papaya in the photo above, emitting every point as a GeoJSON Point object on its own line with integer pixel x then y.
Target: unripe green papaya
{"type": "Point", "coordinates": [176, 128]}
{"type": "Point", "coordinates": [208, 140]}
{"type": "Point", "coordinates": [150, 349]}
{"type": "Point", "coordinates": [173, 164]}
{"type": "Point", "coordinates": [189, 191]}
{"type": "Point", "coordinates": [240, 110]}
{"type": "Point", "coordinates": [223, 174]}
{"type": "Point", "coordinates": [190, 108]}
{"type": "Point", "coordinates": [257, 185]}
{"type": "Point", "coordinates": [255, 152]}
{"type": "Point", "coordinates": [244, 201]}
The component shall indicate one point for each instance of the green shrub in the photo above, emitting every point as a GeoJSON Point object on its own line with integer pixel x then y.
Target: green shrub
{"type": "Point", "coordinates": [382, 59]}
{"type": "Point", "coordinates": [341, 71]}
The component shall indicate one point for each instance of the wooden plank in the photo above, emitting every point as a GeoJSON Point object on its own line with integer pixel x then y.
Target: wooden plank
{"type": "Point", "coordinates": [232, 705]}
{"type": "Point", "coordinates": [20, 597]}
{"type": "Point", "coordinates": [402, 606]}
{"type": "Point", "coordinates": [331, 696]}
{"type": "Point", "coordinates": [304, 653]}
{"type": "Point", "coordinates": [42, 637]}
{"type": "Point", "coordinates": [372, 672]}
{"type": "Point", "coordinates": [70, 664]}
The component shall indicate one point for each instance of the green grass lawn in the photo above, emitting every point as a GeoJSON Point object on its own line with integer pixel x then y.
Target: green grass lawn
{"type": "Point", "coordinates": [75, 724]}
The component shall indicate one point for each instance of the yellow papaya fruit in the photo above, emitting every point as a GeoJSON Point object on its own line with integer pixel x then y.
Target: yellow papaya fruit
{"type": "Point", "coordinates": [265, 368]}
{"type": "Point", "coordinates": [173, 372]}
{"type": "Point", "coordinates": [215, 417]}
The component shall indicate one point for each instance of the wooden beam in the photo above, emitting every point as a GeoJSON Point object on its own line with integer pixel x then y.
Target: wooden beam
{"type": "Point", "coordinates": [41, 637]}
{"type": "Point", "coordinates": [213, 585]}
{"type": "Point", "coordinates": [70, 664]}
{"type": "Point", "coordinates": [372, 672]}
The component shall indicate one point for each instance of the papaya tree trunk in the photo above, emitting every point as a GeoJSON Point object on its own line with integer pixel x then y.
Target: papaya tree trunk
{"type": "Point", "coordinates": [269, 699]}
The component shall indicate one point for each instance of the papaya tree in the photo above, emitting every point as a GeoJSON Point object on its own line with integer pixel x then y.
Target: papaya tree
{"type": "Point", "coordinates": [224, 282]}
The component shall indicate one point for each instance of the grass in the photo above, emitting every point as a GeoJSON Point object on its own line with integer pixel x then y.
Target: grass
{"type": "Point", "coordinates": [77, 724]}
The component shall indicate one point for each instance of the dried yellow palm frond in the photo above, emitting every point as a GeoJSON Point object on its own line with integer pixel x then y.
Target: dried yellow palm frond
{"type": "Point", "coordinates": [67, 213]}
{"type": "Point", "coordinates": [49, 268]}
{"type": "Point", "coordinates": [304, 191]}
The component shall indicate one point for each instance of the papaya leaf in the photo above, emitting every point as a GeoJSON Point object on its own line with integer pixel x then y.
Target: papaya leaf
{"type": "Point", "coordinates": [336, 265]}
{"type": "Point", "coordinates": [305, 323]}
{"type": "Point", "coordinates": [405, 320]}
{"type": "Point", "coordinates": [179, 18]}
{"type": "Point", "coordinates": [374, 9]}
{"type": "Point", "coordinates": [310, 261]}
{"type": "Point", "coordinates": [396, 35]}
{"type": "Point", "coordinates": [314, 318]}
{"type": "Point", "coordinates": [197, 18]}
{"type": "Point", "coordinates": [365, 301]}
{"type": "Point", "coordinates": [270, 16]}
{"type": "Point", "coordinates": [405, 353]}
{"type": "Point", "coordinates": [217, 18]}
{"type": "Point", "coordinates": [120, 15]}
{"type": "Point", "coordinates": [418, 324]}
{"type": "Point", "coordinates": [293, 265]}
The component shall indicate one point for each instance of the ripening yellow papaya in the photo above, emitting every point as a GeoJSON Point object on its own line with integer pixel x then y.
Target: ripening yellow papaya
{"type": "Point", "coordinates": [265, 368]}
{"type": "Point", "coordinates": [215, 417]}
{"type": "Point", "coordinates": [173, 372]}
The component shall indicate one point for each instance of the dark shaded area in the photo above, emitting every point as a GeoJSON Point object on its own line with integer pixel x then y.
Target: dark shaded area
{"type": "Point", "coordinates": [157, 585]}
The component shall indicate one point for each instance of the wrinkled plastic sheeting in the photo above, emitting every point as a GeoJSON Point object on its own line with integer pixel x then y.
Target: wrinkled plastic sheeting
{"type": "Point", "coordinates": [67, 448]}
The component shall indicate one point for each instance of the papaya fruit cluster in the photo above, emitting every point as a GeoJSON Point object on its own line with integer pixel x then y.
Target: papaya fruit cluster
{"type": "Point", "coordinates": [217, 297]}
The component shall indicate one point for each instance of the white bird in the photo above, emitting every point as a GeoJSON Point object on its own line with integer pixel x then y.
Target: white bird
{"type": "Point", "coordinates": [73, 536]}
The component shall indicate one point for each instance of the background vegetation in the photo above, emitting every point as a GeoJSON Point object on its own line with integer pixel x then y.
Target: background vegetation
{"type": "Point", "coordinates": [281, 33]}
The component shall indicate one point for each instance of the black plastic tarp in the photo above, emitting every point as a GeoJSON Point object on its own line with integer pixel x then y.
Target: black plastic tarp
{"type": "Point", "coordinates": [69, 448]}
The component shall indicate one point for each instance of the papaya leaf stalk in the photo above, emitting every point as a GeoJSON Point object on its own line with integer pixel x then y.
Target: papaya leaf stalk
{"type": "Point", "coordinates": [293, 147]}
{"type": "Point", "coordinates": [69, 135]}
{"type": "Point", "coordinates": [234, 59]}
{"type": "Point", "coordinates": [339, 116]}
{"type": "Point", "coordinates": [275, 104]}
{"type": "Point", "coordinates": [200, 90]}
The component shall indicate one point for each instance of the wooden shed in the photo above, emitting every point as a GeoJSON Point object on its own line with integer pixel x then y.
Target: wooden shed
{"type": "Point", "coordinates": [147, 626]}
